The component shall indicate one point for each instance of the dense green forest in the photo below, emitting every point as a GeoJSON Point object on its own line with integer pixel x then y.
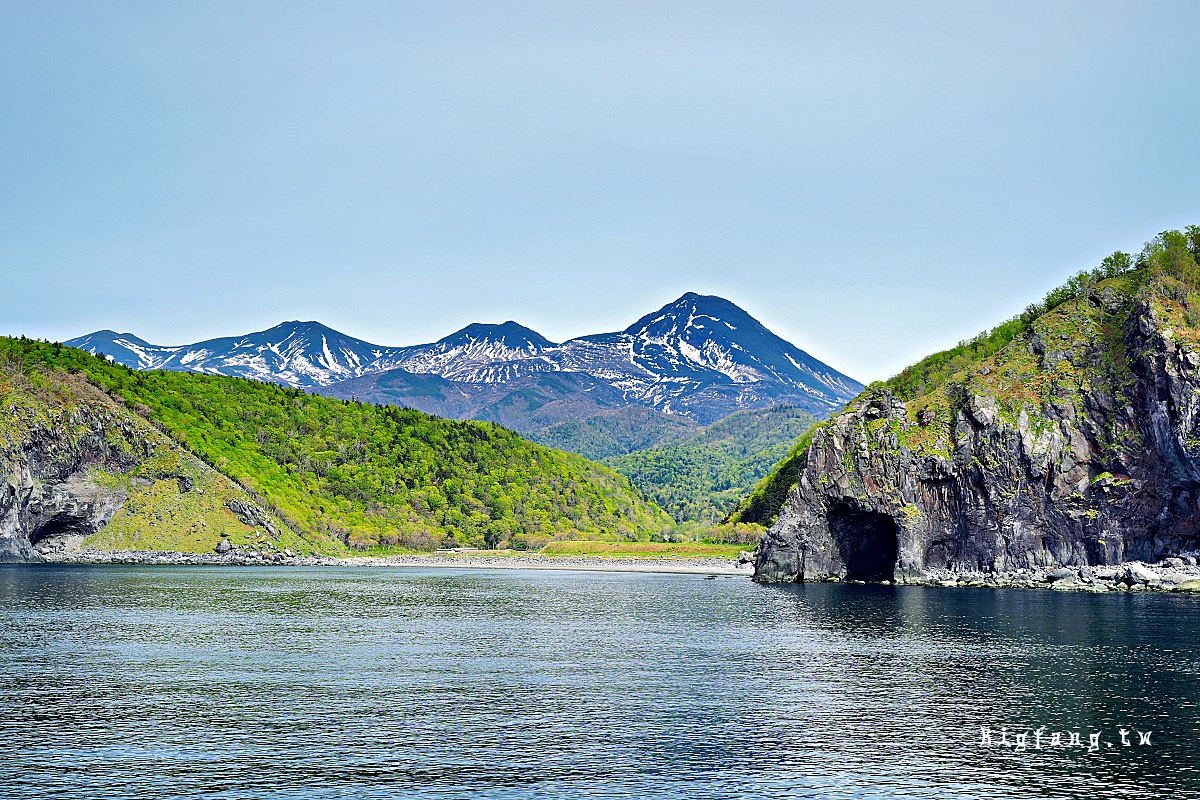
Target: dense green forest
{"type": "Point", "coordinates": [701, 477]}
{"type": "Point", "coordinates": [1165, 271]}
{"type": "Point", "coordinates": [761, 506]}
{"type": "Point", "coordinates": [368, 475]}
{"type": "Point", "coordinates": [616, 432]}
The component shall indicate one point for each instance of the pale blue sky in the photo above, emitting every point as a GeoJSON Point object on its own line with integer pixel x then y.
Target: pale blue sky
{"type": "Point", "coordinates": [873, 181]}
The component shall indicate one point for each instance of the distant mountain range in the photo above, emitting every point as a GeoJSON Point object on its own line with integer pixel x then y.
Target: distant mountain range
{"type": "Point", "coordinates": [700, 357]}
{"type": "Point", "coordinates": [650, 389]}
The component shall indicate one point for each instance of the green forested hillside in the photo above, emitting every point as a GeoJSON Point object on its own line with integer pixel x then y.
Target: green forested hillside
{"type": "Point", "coordinates": [364, 474]}
{"type": "Point", "coordinates": [761, 506]}
{"type": "Point", "coordinates": [701, 477]}
{"type": "Point", "coordinates": [1164, 274]}
{"type": "Point", "coordinates": [615, 432]}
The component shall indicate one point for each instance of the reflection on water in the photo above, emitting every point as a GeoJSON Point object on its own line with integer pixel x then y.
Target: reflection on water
{"type": "Point", "coordinates": [324, 683]}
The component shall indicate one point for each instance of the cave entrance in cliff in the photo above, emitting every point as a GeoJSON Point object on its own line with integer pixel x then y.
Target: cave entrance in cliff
{"type": "Point", "coordinates": [866, 542]}
{"type": "Point", "coordinates": [56, 528]}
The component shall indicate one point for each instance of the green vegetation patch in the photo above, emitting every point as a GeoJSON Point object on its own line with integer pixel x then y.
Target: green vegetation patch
{"type": "Point", "coordinates": [762, 505]}
{"type": "Point", "coordinates": [642, 549]}
{"type": "Point", "coordinates": [616, 432]}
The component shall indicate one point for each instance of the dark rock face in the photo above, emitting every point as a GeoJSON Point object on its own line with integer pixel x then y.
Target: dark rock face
{"type": "Point", "coordinates": [252, 516]}
{"type": "Point", "coordinates": [1102, 467]}
{"type": "Point", "coordinates": [49, 493]}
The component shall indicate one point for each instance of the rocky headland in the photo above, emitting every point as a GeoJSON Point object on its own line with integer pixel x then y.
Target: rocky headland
{"type": "Point", "coordinates": [1061, 449]}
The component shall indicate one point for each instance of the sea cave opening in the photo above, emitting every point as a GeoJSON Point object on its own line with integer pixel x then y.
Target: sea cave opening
{"type": "Point", "coordinates": [866, 541]}
{"type": "Point", "coordinates": [56, 527]}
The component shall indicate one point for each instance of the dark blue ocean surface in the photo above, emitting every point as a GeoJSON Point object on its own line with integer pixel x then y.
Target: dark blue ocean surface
{"type": "Point", "coordinates": [364, 683]}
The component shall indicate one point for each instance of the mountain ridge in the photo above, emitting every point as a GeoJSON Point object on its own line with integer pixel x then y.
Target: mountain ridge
{"type": "Point", "coordinates": [700, 356]}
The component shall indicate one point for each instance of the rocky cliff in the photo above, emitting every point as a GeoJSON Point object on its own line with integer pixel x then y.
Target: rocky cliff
{"type": "Point", "coordinates": [1075, 443]}
{"type": "Point", "coordinates": [79, 468]}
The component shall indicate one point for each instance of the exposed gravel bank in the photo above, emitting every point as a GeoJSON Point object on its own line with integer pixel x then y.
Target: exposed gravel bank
{"type": "Point", "coordinates": [1171, 575]}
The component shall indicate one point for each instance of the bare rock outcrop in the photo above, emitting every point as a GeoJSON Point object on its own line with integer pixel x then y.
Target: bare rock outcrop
{"type": "Point", "coordinates": [49, 491]}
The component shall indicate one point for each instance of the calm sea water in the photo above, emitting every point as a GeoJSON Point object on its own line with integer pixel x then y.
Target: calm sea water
{"type": "Point", "coordinates": [354, 683]}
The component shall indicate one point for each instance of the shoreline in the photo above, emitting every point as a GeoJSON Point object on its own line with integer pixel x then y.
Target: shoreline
{"type": "Point", "coordinates": [1170, 575]}
{"type": "Point", "coordinates": [1134, 576]}
{"type": "Point", "coordinates": [681, 566]}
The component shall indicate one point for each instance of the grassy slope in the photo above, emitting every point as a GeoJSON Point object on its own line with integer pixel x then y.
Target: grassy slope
{"type": "Point", "coordinates": [174, 501]}
{"type": "Point", "coordinates": [702, 476]}
{"type": "Point", "coordinates": [162, 515]}
{"type": "Point", "coordinates": [1087, 314]}
{"type": "Point", "coordinates": [366, 474]}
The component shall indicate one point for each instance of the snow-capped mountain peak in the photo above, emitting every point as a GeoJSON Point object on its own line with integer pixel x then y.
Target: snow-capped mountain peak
{"type": "Point", "coordinates": [124, 348]}
{"type": "Point", "coordinates": [483, 353]}
{"type": "Point", "coordinates": [511, 335]}
{"type": "Point", "coordinates": [295, 353]}
{"type": "Point", "coordinates": [698, 335]}
{"type": "Point", "coordinates": [700, 356]}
